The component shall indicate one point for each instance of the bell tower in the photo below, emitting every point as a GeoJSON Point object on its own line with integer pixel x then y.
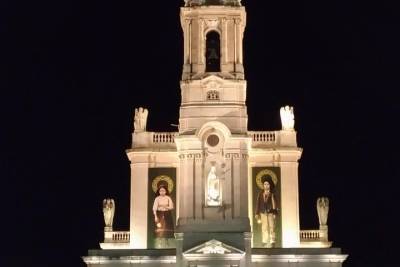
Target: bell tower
{"type": "Point", "coordinates": [213, 85]}
{"type": "Point", "coordinates": [212, 143]}
{"type": "Point", "coordinates": [213, 35]}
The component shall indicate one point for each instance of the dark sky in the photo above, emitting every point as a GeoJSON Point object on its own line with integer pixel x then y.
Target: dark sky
{"type": "Point", "coordinates": [73, 71]}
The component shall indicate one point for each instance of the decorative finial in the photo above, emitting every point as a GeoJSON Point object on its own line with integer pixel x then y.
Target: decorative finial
{"type": "Point", "coordinates": [287, 118]}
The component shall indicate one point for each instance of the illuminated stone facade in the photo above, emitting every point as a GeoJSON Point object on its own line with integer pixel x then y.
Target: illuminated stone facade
{"type": "Point", "coordinates": [230, 193]}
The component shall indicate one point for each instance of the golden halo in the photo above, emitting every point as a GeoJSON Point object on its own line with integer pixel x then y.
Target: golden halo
{"type": "Point", "coordinates": [265, 172]}
{"type": "Point", "coordinates": [168, 179]}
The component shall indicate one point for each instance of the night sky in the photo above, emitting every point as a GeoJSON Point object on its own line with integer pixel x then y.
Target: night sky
{"type": "Point", "coordinates": [72, 73]}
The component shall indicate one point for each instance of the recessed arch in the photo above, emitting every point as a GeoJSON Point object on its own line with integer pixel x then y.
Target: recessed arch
{"type": "Point", "coordinates": [213, 126]}
{"type": "Point", "coordinates": [213, 51]}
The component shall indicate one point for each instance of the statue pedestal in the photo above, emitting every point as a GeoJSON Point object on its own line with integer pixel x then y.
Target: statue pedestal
{"type": "Point", "coordinates": [323, 232]}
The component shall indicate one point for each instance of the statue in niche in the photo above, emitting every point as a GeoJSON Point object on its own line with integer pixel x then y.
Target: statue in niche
{"type": "Point", "coordinates": [140, 119]}
{"type": "Point", "coordinates": [266, 212]}
{"type": "Point", "coordinates": [108, 212]}
{"type": "Point", "coordinates": [163, 219]}
{"type": "Point", "coordinates": [213, 188]}
{"type": "Point", "coordinates": [287, 118]}
{"type": "Point", "coordinates": [323, 210]}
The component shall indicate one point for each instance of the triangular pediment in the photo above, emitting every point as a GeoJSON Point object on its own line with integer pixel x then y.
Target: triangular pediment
{"type": "Point", "coordinates": [212, 82]}
{"type": "Point", "coordinates": [213, 247]}
{"type": "Point", "coordinates": [212, 77]}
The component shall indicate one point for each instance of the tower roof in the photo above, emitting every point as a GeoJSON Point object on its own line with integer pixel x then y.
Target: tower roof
{"type": "Point", "coordinates": [212, 3]}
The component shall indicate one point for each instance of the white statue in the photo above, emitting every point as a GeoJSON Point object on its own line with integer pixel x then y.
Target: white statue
{"type": "Point", "coordinates": [213, 188]}
{"type": "Point", "coordinates": [322, 210]}
{"type": "Point", "coordinates": [140, 119]}
{"type": "Point", "coordinates": [108, 212]}
{"type": "Point", "coordinates": [287, 118]}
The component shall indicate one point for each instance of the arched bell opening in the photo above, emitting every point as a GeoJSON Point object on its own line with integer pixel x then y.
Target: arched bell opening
{"type": "Point", "coordinates": [213, 52]}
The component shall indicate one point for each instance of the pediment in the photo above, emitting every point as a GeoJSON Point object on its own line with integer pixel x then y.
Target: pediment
{"type": "Point", "coordinates": [213, 247]}
{"type": "Point", "coordinates": [212, 82]}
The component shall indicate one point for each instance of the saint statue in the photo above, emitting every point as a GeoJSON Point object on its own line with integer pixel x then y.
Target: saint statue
{"type": "Point", "coordinates": [162, 211]}
{"type": "Point", "coordinates": [108, 212]}
{"type": "Point", "coordinates": [287, 118]}
{"type": "Point", "coordinates": [322, 210]}
{"type": "Point", "coordinates": [213, 188]}
{"type": "Point", "coordinates": [266, 212]}
{"type": "Point", "coordinates": [140, 119]}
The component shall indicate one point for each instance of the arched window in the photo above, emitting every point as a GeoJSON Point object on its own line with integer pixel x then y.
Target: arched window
{"type": "Point", "coordinates": [213, 52]}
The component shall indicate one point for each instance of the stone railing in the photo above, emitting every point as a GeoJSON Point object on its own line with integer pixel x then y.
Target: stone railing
{"type": "Point", "coordinates": [309, 235]}
{"type": "Point", "coordinates": [116, 240]}
{"type": "Point", "coordinates": [154, 140]}
{"type": "Point", "coordinates": [273, 138]}
{"type": "Point", "coordinates": [163, 138]}
{"type": "Point", "coordinates": [263, 138]}
{"type": "Point", "coordinates": [121, 237]}
{"type": "Point", "coordinates": [117, 237]}
{"type": "Point", "coordinates": [314, 238]}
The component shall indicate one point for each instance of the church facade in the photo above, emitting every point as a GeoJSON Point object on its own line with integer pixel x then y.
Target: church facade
{"type": "Point", "coordinates": [214, 193]}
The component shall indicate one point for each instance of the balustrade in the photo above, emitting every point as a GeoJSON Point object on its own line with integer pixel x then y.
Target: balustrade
{"type": "Point", "coordinates": [310, 235]}
{"type": "Point", "coordinates": [166, 138]}
{"type": "Point", "coordinates": [263, 138]}
{"type": "Point", "coordinates": [117, 237]}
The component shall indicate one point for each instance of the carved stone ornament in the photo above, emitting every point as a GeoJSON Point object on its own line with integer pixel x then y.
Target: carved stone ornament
{"type": "Point", "coordinates": [212, 23]}
{"type": "Point", "coordinates": [140, 119]}
{"type": "Point", "coordinates": [108, 212]}
{"type": "Point", "coordinates": [214, 247]}
{"type": "Point", "coordinates": [287, 118]}
{"type": "Point", "coordinates": [213, 85]}
{"type": "Point", "coordinates": [323, 210]}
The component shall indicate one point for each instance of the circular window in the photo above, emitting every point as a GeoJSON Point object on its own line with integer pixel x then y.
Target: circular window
{"type": "Point", "coordinates": [213, 140]}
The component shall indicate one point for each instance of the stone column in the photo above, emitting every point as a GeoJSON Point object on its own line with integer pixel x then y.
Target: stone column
{"type": "Point", "coordinates": [225, 40]}
{"type": "Point", "coordinates": [239, 46]}
{"type": "Point", "coordinates": [187, 60]}
{"type": "Point", "coordinates": [201, 45]}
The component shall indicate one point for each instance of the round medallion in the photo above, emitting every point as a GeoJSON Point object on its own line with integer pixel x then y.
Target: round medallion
{"type": "Point", "coordinates": [213, 140]}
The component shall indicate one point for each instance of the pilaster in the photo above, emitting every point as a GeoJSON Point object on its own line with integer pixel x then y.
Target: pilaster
{"type": "Point", "coordinates": [139, 205]}
{"type": "Point", "coordinates": [236, 184]}
{"type": "Point", "coordinates": [186, 186]}
{"type": "Point", "coordinates": [243, 184]}
{"type": "Point", "coordinates": [290, 204]}
{"type": "Point", "coordinates": [198, 183]}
